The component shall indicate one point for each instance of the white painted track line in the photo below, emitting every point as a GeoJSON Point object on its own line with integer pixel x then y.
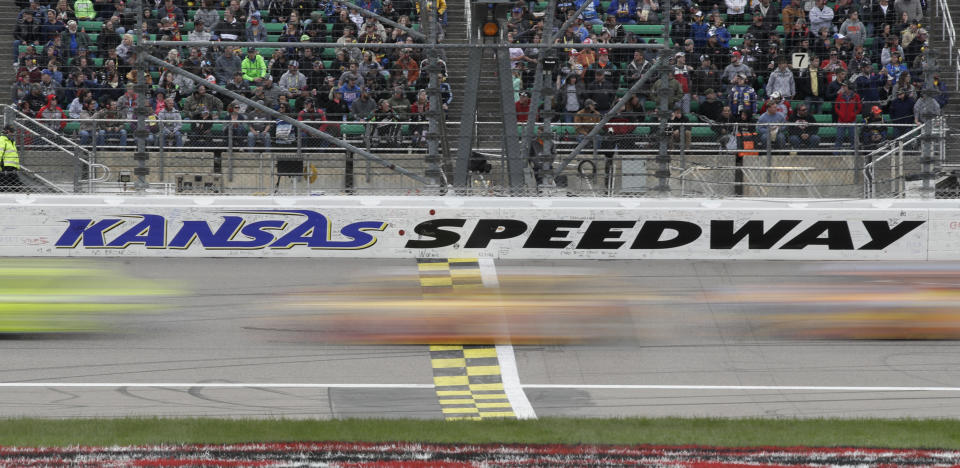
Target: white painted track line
{"type": "Point", "coordinates": [745, 387]}
{"type": "Point", "coordinates": [516, 385]}
{"type": "Point", "coordinates": [204, 385]}
{"type": "Point", "coordinates": [508, 361]}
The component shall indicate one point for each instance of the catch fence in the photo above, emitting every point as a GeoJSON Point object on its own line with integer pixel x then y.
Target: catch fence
{"type": "Point", "coordinates": [707, 159]}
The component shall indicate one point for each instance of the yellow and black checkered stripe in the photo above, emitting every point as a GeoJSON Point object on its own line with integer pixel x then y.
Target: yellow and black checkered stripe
{"type": "Point", "coordinates": [468, 382]}
{"type": "Point", "coordinates": [467, 377]}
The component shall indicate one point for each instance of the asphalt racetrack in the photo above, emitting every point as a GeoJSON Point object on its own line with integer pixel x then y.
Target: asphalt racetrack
{"type": "Point", "coordinates": [323, 338]}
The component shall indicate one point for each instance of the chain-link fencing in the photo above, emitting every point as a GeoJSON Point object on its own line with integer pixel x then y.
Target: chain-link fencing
{"type": "Point", "coordinates": [705, 159]}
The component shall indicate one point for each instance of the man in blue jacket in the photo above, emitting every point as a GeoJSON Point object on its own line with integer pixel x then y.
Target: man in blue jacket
{"type": "Point", "coordinates": [623, 10]}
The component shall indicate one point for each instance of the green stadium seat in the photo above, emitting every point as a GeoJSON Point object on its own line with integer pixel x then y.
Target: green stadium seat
{"type": "Point", "coordinates": [327, 64]}
{"type": "Point", "coordinates": [71, 128]}
{"type": "Point", "coordinates": [736, 42]}
{"type": "Point", "coordinates": [738, 29]}
{"type": "Point", "coordinates": [351, 129]}
{"type": "Point", "coordinates": [90, 26]}
{"type": "Point", "coordinates": [93, 37]}
{"type": "Point", "coordinates": [98, 62]}
{"type": "Point", "coordinates": [187, 26]}
{"type": "Point", "coordinates": [217, 128]}
{"type": "Point", "coordinates": [822, 118]}
{"type": "Point", "coordinates": [702, 133]}
{"type": "Point", "coordinates": [644, 29]}
{"type": "Point", "coordinates": [641, 131]}
{"type": "Point", "coordinates": [827, 132]}
{"type": "Point", "coordinates": [185, 128]}
{"type": "Point", "coordinates": [827, 108]}
{"type": "Point", "coordinates": [272, 38]}
{"type": "Point", "coordinates": [273, 28]}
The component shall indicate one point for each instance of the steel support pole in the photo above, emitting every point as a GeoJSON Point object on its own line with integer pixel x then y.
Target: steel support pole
{"type": "Point", "coordinates": [292, 121]}
{"type": "Point", "coordinates": [511, 138]}
{"type": "Point", "coordinates": [434, 168]}
{"type": "Point", "coordinates": [663, 156]}
{"type": "Point", "coordinates": [141, 111]}
{"type": "Point", "coordinates": [538, 81]}
{"type": "Point", "coordinates": [606, 118]}
{"type": "Point", "coordinates": [468, 119]}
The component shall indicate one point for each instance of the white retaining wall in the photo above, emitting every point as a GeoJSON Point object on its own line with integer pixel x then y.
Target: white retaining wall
{"type": "Point", "coordinates": [510, 228]}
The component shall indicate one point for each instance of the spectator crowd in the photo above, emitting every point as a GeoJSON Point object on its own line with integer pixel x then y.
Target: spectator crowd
{"type": "Point", "coordinates": [76, 61]}
{"type": "Point", "coordinates": [754, 64]}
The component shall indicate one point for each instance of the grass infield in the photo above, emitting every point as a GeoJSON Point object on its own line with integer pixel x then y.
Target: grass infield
{"type": "Point", "coordinates": [911, 433]}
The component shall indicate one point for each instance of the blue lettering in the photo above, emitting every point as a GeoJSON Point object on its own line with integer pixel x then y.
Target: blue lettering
{"type": "Point", "coordinates": [151, 232]}
{"type": "Point", "coordinates": [200, 230]}
{"type": "Point", "coordinates": [91, 233]}
{"type": "Point", "coordinates": [361, 239]}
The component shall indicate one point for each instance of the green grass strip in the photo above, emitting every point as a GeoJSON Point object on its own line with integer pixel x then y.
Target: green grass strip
{"type": "Point", "coordinates": [911, 433]}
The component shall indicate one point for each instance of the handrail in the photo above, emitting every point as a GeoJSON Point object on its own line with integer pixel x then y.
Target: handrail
{"type": "Point", "coordinates": [39, 123]}
{"type": "Point", "coordinates": [947, 29]}
{"type": "Point", "coordinates": [42, 179]}
{"type": "Point", "coordinates": [92, 166]}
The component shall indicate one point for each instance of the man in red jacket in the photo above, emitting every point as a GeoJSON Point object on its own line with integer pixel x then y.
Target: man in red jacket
{"type": "Point", "coordinates": [847, 107]}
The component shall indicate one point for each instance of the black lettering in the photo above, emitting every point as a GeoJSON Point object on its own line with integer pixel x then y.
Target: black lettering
{"type": "Point", "coordinates": [440, 237]}
{"type": "Point", "coordinates": [722, 235]}
{"type": "Point", "coordinates": [838, 236]}
{"type": "Point", "coordinates": [489, 229]}
{"type": "Point", "coordinates": [599, 231]}
{"type": "Point", "coordinates": [650, 233]}
{"type": "Point", "coordinates": [543, 233]}
{"type": "Point", "coordinates": [882, 235]}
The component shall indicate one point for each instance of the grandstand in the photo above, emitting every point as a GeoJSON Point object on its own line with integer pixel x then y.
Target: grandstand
{"type": "Point", "coordinates": [606, 131]}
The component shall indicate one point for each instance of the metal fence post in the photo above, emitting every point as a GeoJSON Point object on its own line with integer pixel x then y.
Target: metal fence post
{"type": "Point", "coordinates": [926, 160]}
{"type": "Point", "coordinates": [230, 152]}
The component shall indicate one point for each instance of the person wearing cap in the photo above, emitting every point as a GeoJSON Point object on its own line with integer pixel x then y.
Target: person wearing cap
{"type": "Point", "coordinates": [742, 98]}
{"type": "Point", "coordinates": [821, 16]}
{"type": "Point", "coordinates": [847, 106]}
{"type": "Point", "coordinates": [255, 31]}
{"type": "Point", "coordinates": [901, 111]}
{"type": "Point", "coordinates": [832, 64]}
{"type": "Point", "coordinates": [292, 81]}
{"type": "Point", "coordinates": [867, 83]}
{"type": "Point", "coordinates": [207, 14]}
{"type": "Point", "coordinates": [735, 68]}
{"type": "Point", "coordinates": [73, 39]}
{"type": "Point", "coordinates": [892, 47]}
{"type": "Point", "coordinates": [711, 106]}
{"type": "Point", "coordinates": [585, 119]}
{"type": "Point", "coordinates": [700, 29]}
{"type": "Point", "coordinates": [27, 31]}
{"type": "Point", "coordinates": [199, 33]}
{"type": "Point", "coordinates": [227, 65]}
{"type": "Point", "coordinates": [874, 130]}
{"type": "Point", "coordinates": [915, 48]}
{"type": "Point", "coordinates": [253, 67]}
{"type": "Point", "coordinates": [706, 76]}
{"type": "Point", "coordinates": [201, 99]}
{"type": "Point", "coordinates": [9, 162]}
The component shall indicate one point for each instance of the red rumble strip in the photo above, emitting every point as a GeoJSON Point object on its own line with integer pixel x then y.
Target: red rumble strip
{"type": "Point", "coordinates": [413, 455]}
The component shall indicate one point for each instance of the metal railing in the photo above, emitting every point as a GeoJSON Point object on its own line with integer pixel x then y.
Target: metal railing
{"type": "Point", "coordinates": [736, 159]}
